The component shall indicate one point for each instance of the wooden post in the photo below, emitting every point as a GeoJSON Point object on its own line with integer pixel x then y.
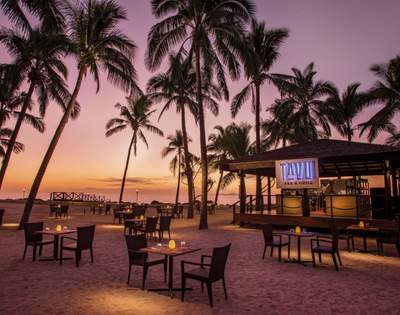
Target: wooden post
{"type": "Point", "coordinates": [395, 187]}
{"type": "Point", "coordinates": [242, 192]}
{"type": "Point", "coordinates": [251, 203]}
{"type": "Point", "coordinates": [388, 196]}
{"type": "Point", "coordinates": [269, 193]}
{"type": "Point", "coordinates": [306, 204]}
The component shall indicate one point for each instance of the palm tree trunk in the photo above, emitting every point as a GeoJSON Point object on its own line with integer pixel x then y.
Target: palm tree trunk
{"type": "Point", "coordinates": [188, 168]}
{"type": "Point", "coordinates": [121, 193]}
{"type": "Point", "coordinates": [50, 150]}
{"type": "Point", "coordinates": [203, 148]}
{"type": "Point", "coordinates": [179, 179]}
{"type": "Point", "coordinates": [13, 139]}
{"type": "Point", "coordinates": [221, 174]}
{"type": "Point", "coordinates": [259, 201]}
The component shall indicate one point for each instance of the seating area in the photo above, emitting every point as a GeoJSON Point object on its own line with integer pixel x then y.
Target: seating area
{"type": "Point", "coordinates": [199, 265]}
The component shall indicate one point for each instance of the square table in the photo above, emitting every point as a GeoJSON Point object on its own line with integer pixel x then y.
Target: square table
{"type": "Point", "coordinates": [56, 235]}
{"type": "Point", "coordinates": [170, 253]}
{"type": "Point", "coordinates": [299, 236]}
{"type": "Point", "coordinates": [364, 231]}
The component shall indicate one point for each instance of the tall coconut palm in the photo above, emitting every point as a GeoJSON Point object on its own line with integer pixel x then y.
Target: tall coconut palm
{"type": "Point", "coordinates": [49, 12]}
{"type": "Point", "coordinates": [96, 42]}
{"type": "Point", "coordinates": [176, 147]}
{"type": "Point", "coordinates": [394, 139]}
{"type": "Point", "coordinates": [302, 103]}
{"type": "Point", "coordinates": [343, 109]}
{"type": "Point", "coordinates": [37, 59]}
{"type": "Point", "coordinates": [135, 115]}
{"type": "Point", "coordinates": [210, 31]}
{"type": "Point", "coordinates": [177, 87]}
{"type": "Point", "coordinates": [218, 153]}
{"type": "Point", "coordinates": [387, 91]}
{"type": "Point", "coordinates": [262, 52]}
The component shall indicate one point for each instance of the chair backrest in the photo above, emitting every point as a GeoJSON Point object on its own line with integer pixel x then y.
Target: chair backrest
{"type": "Point", "coordinates": [1, 216]}
{"type": "Point", "coordinates": [165, 222]}
{"type": "Point", "coordinates": [268, 233]}
{"type": "Point", "coordinates": [85, 236]}
{"type": "Point", "coordinates": [151, 224]}
{"type": "Point", "coordinates": [135, 243]}
{"type": "Point", "coordinates": [218, 262]}
{"type": "Point", "coordinates": [64, 208]}
{"type": "Point", "coordinates": [53, 208]}
{"type": "Point", "coordinates": [108, 207]}
{"type": "Point", "coordinates": [30, 230]}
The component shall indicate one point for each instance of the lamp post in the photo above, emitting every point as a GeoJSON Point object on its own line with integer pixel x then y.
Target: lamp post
{"type": "Point", "coordinates": [137, 195]}
{"type": "Point", "coordinates": [23, 193]}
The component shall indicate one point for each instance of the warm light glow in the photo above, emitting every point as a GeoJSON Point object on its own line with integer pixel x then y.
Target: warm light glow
{"type": "Point", "coordinates": [361, 224]}
{"type": "Point", "coordinates": [141, 217]}
{"type": "Point", "coordinates": [58, 228]}
{"type": "Point", "coordinates": [171, 244]}
{"type": "Point", "coordinates": [10, 225]}
{"type": "Point", "coordinates": [298, 230]}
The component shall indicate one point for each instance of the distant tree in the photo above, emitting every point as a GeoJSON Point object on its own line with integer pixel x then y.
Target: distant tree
{"type": "Point", "coordinates": [176, 147]}
{"type": "Point", "coordinates": [136, 116]}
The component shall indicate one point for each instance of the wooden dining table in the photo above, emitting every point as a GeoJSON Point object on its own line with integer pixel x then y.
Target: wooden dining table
{"type": "Point", "coordinates": [170, 253]}
{"type": "Point", "coordinates": [299, 237]}
{"type": "Point", "coordinates": [56, 235]}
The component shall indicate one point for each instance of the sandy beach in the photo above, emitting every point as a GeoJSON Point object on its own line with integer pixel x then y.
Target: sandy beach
{"type": "Point", "coordinates": [366, 284]}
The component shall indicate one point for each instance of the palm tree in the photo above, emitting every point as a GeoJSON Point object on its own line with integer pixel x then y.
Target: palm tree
{"type": "Point", "coordinates": [175, 146]}
{"type": "Point", "coordinates": [5, 134]}
{"type": "Point", "coordinates": [394, 139]}
{"type": "Point", "coordinates": [386, 90]}
{"type": "Point", "coordinates": [38, 59]}
{"type": "Point", "coordinates": [96, 42]}
{"type": "Point", "coordinates": [262, 52]}
{"type": "Point", "coordinates": [342, 109]}
{"type": "Point", "coordinates": [301, 104]}
{"type": "Point", "coordinates": [218, 155]}
{"type": "Point", "coordinates": [210, 31]}
{"type": "Point", "coordinates": [49, 12]}
{"type": "Point", "coordinates": [177, 87]}
{"type": "Point", "coordinates": [135, 115]}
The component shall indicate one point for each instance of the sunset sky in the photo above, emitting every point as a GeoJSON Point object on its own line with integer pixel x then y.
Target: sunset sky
{"type": "Point", "coordinates": [342, 37]}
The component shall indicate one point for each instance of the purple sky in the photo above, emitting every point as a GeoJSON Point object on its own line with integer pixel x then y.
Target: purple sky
{"type": "Point", "coordinates": [342, 37]}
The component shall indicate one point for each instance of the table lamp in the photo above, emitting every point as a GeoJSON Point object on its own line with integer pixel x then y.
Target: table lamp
{"type": "Point", "coordinates": [171, 244]}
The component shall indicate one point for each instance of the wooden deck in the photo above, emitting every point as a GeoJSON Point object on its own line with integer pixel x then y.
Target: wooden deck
{"type": "Point", "coordinates": [320, 222]}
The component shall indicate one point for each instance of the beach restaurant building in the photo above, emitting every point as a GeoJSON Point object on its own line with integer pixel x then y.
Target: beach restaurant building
{"type": "Point", "coordinates": [321, 180]}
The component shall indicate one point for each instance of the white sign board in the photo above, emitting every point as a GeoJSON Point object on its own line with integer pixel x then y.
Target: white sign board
{"type": "Point", "coordinates": [297, 174]}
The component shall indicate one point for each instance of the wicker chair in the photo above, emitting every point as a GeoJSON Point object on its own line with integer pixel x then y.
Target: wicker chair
{"type": "Point", "coordinates": [129, 225]}
{"type": "Point", "coordinates": [84, 241]}
{"type": "Point", "coordinates": [270, 240]}
{"type": "Point", "coordinates": [64, 211]}
{"type": "Point", "coordinates": [137, 258]}
{"type": "Point", "coordinates": [34, 239]}
{"type": "Point", "coordinates": [107, 210]}
{"type": "Point", "coordinates": [207, 273]}
{"type": "Point", "coordinates": [164, 226]}
{"type": "Point", "coordinates": [388, 237]}
{"type": "Point", "coordinates": [327, 245]}
{"type": "Point", "coordinates": [150, 228]}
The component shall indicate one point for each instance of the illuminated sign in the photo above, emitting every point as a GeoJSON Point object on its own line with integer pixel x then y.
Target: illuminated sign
{"type": "Point", "coordinates": [299, 173]}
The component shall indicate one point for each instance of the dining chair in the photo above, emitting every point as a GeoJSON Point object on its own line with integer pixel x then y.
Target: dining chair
{"type": "Point", "coordinates": [327, 245]}
{"type": "Point", "coordinates": [128, 225]}
{"type": "Point", "coordinates": [388, 237]}
{"type": "Point", "coordinates": [164, 226]}
{"type": "Point", "coordinates": [84, 241]}
{"type": "Point", "coordinates": [134, 244]}
{"type": "Point", "coordinates": [270, 239]}
{"type": "Point", "coordinates": [150, 228]}
{"type": "Point", "coordinates": [207, 273]}
{"type": "Point", "coordinates": [34, 238]}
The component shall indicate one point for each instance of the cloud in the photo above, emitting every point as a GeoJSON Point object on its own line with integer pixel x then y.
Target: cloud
{"type": "Point", "coordinates": [142, 181]}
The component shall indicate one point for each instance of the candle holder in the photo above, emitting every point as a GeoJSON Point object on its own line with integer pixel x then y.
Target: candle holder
{"type": "Point", "coordinates": [297, 230]}
{"type": "Point", "coordinates": [171, 245]}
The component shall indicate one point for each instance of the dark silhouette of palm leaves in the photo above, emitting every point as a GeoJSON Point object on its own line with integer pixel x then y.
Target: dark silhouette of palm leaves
{"type": "Point", "coordinates": [302, 103]}
{"type": "Point", "coordinates": [387, 91]}
{"type": "Point", "coordinates": [5, 134]}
